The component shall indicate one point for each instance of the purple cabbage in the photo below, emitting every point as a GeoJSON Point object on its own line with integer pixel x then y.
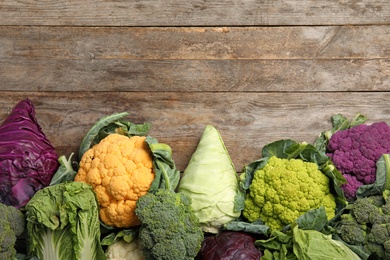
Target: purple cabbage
{"type": "Point", "coordinates": [229, 245]}
{"type": "Point", "coordinates": [27, 159]}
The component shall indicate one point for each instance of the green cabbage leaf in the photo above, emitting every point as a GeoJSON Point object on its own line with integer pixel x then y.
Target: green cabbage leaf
{"type": "Point", "coordinates": [211, 181]}
{"type": "Point", "coordinates": [63, 223]}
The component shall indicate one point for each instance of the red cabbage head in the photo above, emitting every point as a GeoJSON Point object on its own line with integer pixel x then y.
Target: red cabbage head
{"type": "Point", "coordinates": [27, 159]}
{"type": "Point", "coordinates": [229, 245]}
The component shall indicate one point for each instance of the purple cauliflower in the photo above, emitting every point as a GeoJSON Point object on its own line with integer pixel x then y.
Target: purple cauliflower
{"type": "Point", "coordinates": [27, 159]}
{"type": "Point", "coordinates": [356, 150]}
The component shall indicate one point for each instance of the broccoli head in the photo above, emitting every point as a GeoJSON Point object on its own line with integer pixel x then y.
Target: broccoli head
{"type": "Point", "coordinates": [366, 224]}
{"type": "Point", "coordinates": [368, 210]}
{"type": "Point", "coordinates": [352, 232]}
{"type": "Point", "coordinates": [169, 230]}
{"type": "Point", "coordinates": [356, 150]}
{"type": "Point", "coordinates": [12, 225]}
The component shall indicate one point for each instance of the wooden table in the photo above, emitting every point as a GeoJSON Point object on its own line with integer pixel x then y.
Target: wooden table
{"type": "Point", "coordinates": [259, 71]}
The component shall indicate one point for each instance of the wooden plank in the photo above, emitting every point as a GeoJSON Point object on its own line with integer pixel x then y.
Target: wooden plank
{"type": "Point", "coordinates": [195, 59]}
{"type": "Point", "coordinates": [246, 121]}
{"type": "Point", "coordinates": [198, 43]}
{"type": "Point", "coordinates": [195, 75]}
{"type": "Point", "coordinates": [194, 13]}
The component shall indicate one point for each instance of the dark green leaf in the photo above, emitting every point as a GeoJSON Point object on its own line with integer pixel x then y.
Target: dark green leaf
{"type": "Point", "coordinates": [382, 180]}
{"type": "Point", "coordinates": [283, 149]}
{"type": "Point", "coordinates": [127, 235]}
{"type": "Point", "coordinates": [239, 200]}
{"type": "Point", "coordinates": [125, 128]}
{"type": "Point", "coordinates": [89, 138]}
{"type": "Point", "coordinates": [256, 227]}
{"type": "Point", "coordinates": [311, 154]}
{"type": "Point", "coordinates": [166, 174]}
{"type": "Point", "coordinates": [357, 120]}
{"type": "Point", "coordinates": [275, 241]}
{"type": "Point", "coordinates": [339, 122]}
{"type": "Point", "coordinates": [249, 170]}
{"type": "Point", "coordinates": [109, 125]}
{"type": "Point", "coordinates": [314, 219]}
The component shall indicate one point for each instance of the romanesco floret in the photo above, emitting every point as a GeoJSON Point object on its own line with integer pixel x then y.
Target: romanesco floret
{"type": "Point", "coordinates": [12, 225]}
{"type": "Point", "coordinates": [284, 189]}
{"type": "Point", "coordinates": [169, 230]}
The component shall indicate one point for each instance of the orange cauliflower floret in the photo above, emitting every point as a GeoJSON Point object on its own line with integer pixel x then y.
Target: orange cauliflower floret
{"type": "Point", "coordinates": [120, 170]}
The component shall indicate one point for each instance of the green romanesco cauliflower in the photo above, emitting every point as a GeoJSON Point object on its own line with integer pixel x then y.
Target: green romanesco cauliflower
{"type": "Point", "coordinates": [284, 189]}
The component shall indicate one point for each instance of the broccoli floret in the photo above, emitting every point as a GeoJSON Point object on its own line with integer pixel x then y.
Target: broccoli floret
{"type": "Point", "coordinates": [386, 207]}
{"type": "Point", "coordinates": [367, 224]}
{"type": "Point", "coordinates": [8, 238]}
{"type": "Point", "coordinates": [386, 246]}
{"type": "Point", "coordinates": [380, 233]}
{"type": "Point", "coordinates": [377, 251]}
{"type": "Point", "coordinates": [368, 210]}
{"type": "Point", "coordinates": [169, 230]}
{"type": "Point", "coordinates": [351, 231]}
{"type": "Point", "coordinates": [12, 224]}
{"type": "Point", "coordinates": [10, 254]}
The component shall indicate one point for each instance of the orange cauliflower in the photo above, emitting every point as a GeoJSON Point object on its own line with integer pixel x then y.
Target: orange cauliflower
{"type": "Point", "coordinates": [120, 170]}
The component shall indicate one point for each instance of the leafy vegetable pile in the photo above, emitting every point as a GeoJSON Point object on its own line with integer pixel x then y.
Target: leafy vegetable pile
{"type": "Point", "coordinates": [121, 196]}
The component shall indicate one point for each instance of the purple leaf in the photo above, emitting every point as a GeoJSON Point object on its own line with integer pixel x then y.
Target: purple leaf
{"type": "Point", "coordinates": [27, 159]}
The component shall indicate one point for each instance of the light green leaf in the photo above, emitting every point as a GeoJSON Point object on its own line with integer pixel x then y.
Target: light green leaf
{"type": "Point", "coordinates": [63, 223]}
{"type": "Point", "coordinates": [65, 171]}
{"type": "Point", "coordinates": [314, 245]}
{"type": "Point", "coordinates": [211, 180]}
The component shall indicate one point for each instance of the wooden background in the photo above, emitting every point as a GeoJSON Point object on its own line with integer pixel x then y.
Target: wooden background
{"type": "Point", "coordinates": [259, 71]}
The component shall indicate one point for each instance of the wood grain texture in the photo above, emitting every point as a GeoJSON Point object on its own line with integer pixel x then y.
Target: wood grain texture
{"type": "Point", "coordinates": [199, 75]}
{"type": "Point", "coordinates": [246, 121]}
{"type": "Point", "coordinates": [259, 71]}
{"type": "Point", "coordinates": [196, 43]}
{"type": "Point", "coordinates": [329, 58]}
{"type": "Point", "coordinates": [194, 12]}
